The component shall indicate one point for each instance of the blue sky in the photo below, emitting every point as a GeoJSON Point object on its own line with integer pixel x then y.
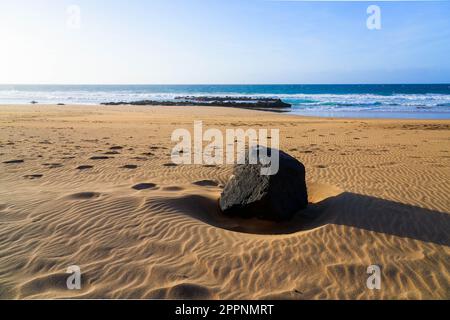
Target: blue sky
{"type": "Point", "coordinates": [208, 41]}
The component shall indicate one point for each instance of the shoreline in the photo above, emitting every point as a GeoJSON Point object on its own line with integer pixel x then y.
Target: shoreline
{"type": "Point", "coordinates": [285, 113]}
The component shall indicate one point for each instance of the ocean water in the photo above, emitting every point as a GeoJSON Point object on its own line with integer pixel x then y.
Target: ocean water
{"type": "Point", "coordinates": [421, 101]}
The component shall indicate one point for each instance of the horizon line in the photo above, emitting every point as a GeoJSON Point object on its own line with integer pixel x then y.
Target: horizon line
{"type": "Point", "coordinates": [222, 84]}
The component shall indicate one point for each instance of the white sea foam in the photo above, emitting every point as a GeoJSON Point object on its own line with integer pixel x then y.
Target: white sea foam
{"type": "Point", "coordinates": [316, 103]}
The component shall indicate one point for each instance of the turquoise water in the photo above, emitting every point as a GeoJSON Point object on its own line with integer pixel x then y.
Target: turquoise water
{"type": "Point", "coordinates": [422, 101]}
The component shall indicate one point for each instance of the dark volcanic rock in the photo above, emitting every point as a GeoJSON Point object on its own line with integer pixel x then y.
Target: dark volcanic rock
{"type": "Point", "coordinates": [265, 104]}
{"type": "Point", "coordinates": [277, 197]}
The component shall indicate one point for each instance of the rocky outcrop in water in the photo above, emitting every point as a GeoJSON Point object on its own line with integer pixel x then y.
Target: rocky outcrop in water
{"type": "Point", "coordinates": [266, 104]}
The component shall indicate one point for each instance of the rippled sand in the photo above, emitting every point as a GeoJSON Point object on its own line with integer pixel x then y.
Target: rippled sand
{"type": "Point", "coordinates": [92, 186]}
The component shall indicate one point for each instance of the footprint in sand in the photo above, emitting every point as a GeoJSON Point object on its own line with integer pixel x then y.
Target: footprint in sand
{"type": "Point", "coordinates": [33, 176]}
{"type": "Point", "coordinates": [13, 161]}
{"type": "Point", "coordinates": [139, 158]}
{"type": "Point", "coordinates": [84, 196]}
{"type": "Point", "coordinates": [170, 165]}
{"type": "Point", "coordinates": [148, 154]}
{"type": "Point", "coordinates": [172, 188]}
{"type": "Point", "coordinates": [189, 291]}
{"type": "Point", "coordinates": [206, 183]}
{"type": "Point", "coordinates": [129, 166]}
{"type": "Point", "coordinates": [53, 165]}
{"type": "Point", "coordinates": [144, 186]}
{"type": "Point", "coordinates": [84, 167]}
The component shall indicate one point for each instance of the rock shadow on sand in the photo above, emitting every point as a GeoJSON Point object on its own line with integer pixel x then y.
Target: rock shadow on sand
{"type": "Point", "coordinates": [385, 216]}
{"type": "Point", "coordinates": [341, 208]}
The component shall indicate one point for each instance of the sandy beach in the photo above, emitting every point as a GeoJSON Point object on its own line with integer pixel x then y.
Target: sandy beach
{"type": "Point", "coordinates": [94, 186]}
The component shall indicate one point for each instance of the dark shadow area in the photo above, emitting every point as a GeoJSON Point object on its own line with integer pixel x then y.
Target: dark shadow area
{"type": "Point", "coordinates": [349, 209]}
{"type": "Point", "coordinates": [384, 216]}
